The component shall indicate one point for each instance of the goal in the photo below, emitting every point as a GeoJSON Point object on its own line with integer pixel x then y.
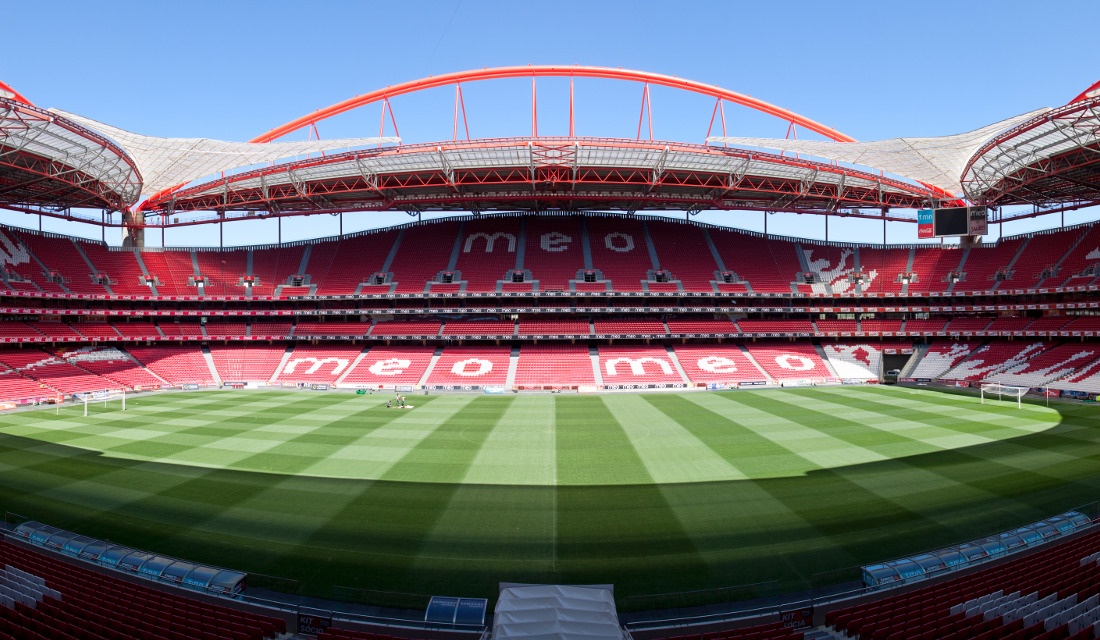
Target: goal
{"type": "Point", "coordinates": [1003, 390]}
{"type": "Point", "coordinates": [106, 397]}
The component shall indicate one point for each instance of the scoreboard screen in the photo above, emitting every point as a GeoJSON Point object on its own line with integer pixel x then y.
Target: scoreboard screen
{"type": "Point", "coordinates": [952, 222]}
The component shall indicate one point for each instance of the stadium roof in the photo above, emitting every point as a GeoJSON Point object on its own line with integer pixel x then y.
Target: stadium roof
{"type": "Point", "coordinates": [937, 161]}
{"type": "Point", "coordinates": [49, 161]}
{"type": "Point", "coordinates": [512, 174]}
{"type": "Point", "coordinates": [170, 162]}
{"type": "Point", "coordinates": [1052, 158]}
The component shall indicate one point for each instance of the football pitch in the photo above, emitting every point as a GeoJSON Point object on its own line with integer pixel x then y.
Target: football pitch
{"type": "Point", "coordinates": [654, 493]}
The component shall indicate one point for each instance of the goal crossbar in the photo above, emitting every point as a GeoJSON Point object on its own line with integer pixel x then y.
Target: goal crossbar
{"type": "Point", "coordinates": [104, 397]}
{"type": "Point", "coordinates": [1001, 390]}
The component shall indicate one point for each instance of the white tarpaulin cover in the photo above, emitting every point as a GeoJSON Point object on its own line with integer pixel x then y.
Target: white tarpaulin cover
{"type": "Point", "coordinates": [167, 162]}
{"type": "Point", "coordinates": [554, 612]}
{"type": "Point", "coordinates": [938, 161]}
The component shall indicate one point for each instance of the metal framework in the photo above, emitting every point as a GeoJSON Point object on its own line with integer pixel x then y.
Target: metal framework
{"type": "Point", "coordinates": [47, 161]}
{"type": "Point", "coordinates": [544, 173]}
{"type": "Point", "coordinates": [1051, 162]}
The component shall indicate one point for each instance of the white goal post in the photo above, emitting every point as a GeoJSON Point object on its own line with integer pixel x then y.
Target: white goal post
{"type": "Point", "coordinates": [1002, 390]}
{"type": "Point", "coordinates": [93, 397]}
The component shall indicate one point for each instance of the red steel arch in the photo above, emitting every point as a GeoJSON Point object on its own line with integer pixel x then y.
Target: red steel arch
{"type": "Point", "coordinates": [14, 94]}
{"type": "Point", "coordinates": [576, 71]}
{"type": "Point", "coordinates": [1085, 94]}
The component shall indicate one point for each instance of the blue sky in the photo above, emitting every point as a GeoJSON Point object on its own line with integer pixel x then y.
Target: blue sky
{"type": "Point", "coordinates": [232, 70]}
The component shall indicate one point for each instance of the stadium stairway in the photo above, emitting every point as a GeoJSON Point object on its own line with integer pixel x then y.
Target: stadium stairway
{"type": "Point", "coordinates": [914, 360]}
{"type": "Point", "coordinates": [594, 353]}
{"type": "Point", "coordinates": [431, 366]}
{"type": "Point", "coordinates": [825, 359]}
{"type": "Point", "coordinates": [210, 363]}
{"type": "Point", "coordinates": [676, 362]}
{"type": "Point", "coordinates": [513, 363]}
{"type": "Point", "coordinates": [351, 367]}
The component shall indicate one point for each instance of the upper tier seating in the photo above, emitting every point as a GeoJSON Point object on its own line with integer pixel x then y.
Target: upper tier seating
{"type": "Point", "coordinates": [137, 329]}
{"type": "Point", "coordinates": [120, 265]}
{"type": "Point", "coordinates": [683, 252]}
{"type": "Point", "coordinates": [171, 269]}
{"type": "Point", "coordinates": [554, 250]}
{"type": "Point", "coordinates": [768, 265]}
{"type": "Point", "coordinates": [176, 365]}
{"type": "Point", "coordinates": [1048, 323]}
{"type": "Point", "coordinates": [79, 603]}
{"type": "Point", "coordinates": [553, 365]}
{"type": "Point", "coordinates": [223, 271]}
{"type": "Point", "coordinates": [317, 363]}
{"type": "Point", "coordinates": [832, 267]}
{"type": "Point", "coordinates": [488, 252]}
{"type": "Point", "coordinates": [637, 365]}
{"type": "Point", "coordinates": [246, 363]}
{"type": "Point", "coordinates": [882, 268]}
{"type": "Point", "coordinates": [794, 361]}
{"type": "Point", "coordinates": [715, 363]}
{"type": "Point", "coordinates": [389, 366]}
{"type": "Point", "coordinates": [424, 252]}
{"type": "Point", "coordinates": [984, 264]}
{"type": "Point", "coordinates": [338, 267]}
{"type": "Point", "coordinates": [1039, 258]}
{"type": "Point", "coordinates": [475, 366]}
{"type": "Point", "coordinates": [273, 267]}
{"type": "Point", "coordinates": [60, 256]}
{"type": "Point", "coordinates": [97, 330]}
{"type": "Point", "coordinates": [1085, 379]}
{"type": "Point", "coordinates": [1079, 266]}
{"type": "Point", "coordinates": [941, 356]}
{"type": "Point", "coordinates": [619, 251]}
{"type": "Point", "coordinates": [226, 328]}
{"type": "Point", "coordinates": [931, 266]}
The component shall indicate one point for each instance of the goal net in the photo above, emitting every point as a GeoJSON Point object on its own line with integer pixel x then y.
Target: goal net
{"type": "Point", "coordinates": [109, 398]}
{"type": "Point", "coordinates": [1003, 392]}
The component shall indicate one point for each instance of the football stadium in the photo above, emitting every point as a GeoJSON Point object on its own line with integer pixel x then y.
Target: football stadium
{"type": "Point", "coordinates": [553, 401]}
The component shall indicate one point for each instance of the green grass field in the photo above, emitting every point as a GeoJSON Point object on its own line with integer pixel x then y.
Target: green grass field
{"type": "Point", "coordinates": [654, 493]}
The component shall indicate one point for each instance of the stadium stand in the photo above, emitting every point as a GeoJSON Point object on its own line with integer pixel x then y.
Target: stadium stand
{"type": "Point", "coordinates": [247, 362]}
{"type": "Point", "coordinates": [223, 271]}
{"type": "Point", "coordinates": [856, 361]}
{"type": "Point", "coordinates": [114, 365]}
{"type": "Point", "coordinates": [770, 273]}
{"type": "Point", "coordinates": [692, 325]}
{"type": "Point", "coordinates": [685, 254]}
{"type": "Point", "coordinates": [932, 268]}
{"type": "Point", "coordinates": [175, 365]}
{"type": "Point", "coordinates": [789, 362]}
{"type": "Point", "coordinates": [389, 366]}
{"type": "Point", "coordinates": [488, 252]}
{"type": "Point", "coordinates": [553, 365]}
{"type": "Point", "coordinates": [1024, 599]}
{"type": "Point", "coordinates": [338, 267]}
{"type": "Point", "coordinates": [479, 328]}
{"type": "Point", "coordinates": [406, 328]}
{"type": "Point", "coordinates": [874, 326]}
{"type": "Point", "coordinates": [553, 251]}
{"type": "Point", "coordinates": [62, 600]}
{"type": "Point", "coordinates": [349, 328]}
{"type": "Point", "coordinates": [52, 371]}
{"type": "Point", "coordinates": [711, 364]}
{"type": "Point", "coordinates": [471, 366]}
{"type": "Point", "coordinates": [993, 358]}
{"type": "Point", "coordinates": [640, 326]}
{"type": "Point", "coordinates": [883, 269]}
{"type": "Point", "coordinates": [273, 267]}
{"type": "Point", "coordinates": [553, 328]}
{"type": "Point", "coordinates": [317, 364]}
{"type": "Point", "coordinates": [984, 267]}
{"type": "Point", "coordinates": [619, 251]}
{"type": "Point", "coordinates": [423, 253]}
{"type": "Point", "coordinates": [622, 365]}
{"type": "Point", "coordinates": [941, 356]}
{"type": "Point", "coordinates": [1054, 363]}
{"type": "Point", "coordinates": [1080, 264]}
{"type": "Point", "coordinates": [760, 325]}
